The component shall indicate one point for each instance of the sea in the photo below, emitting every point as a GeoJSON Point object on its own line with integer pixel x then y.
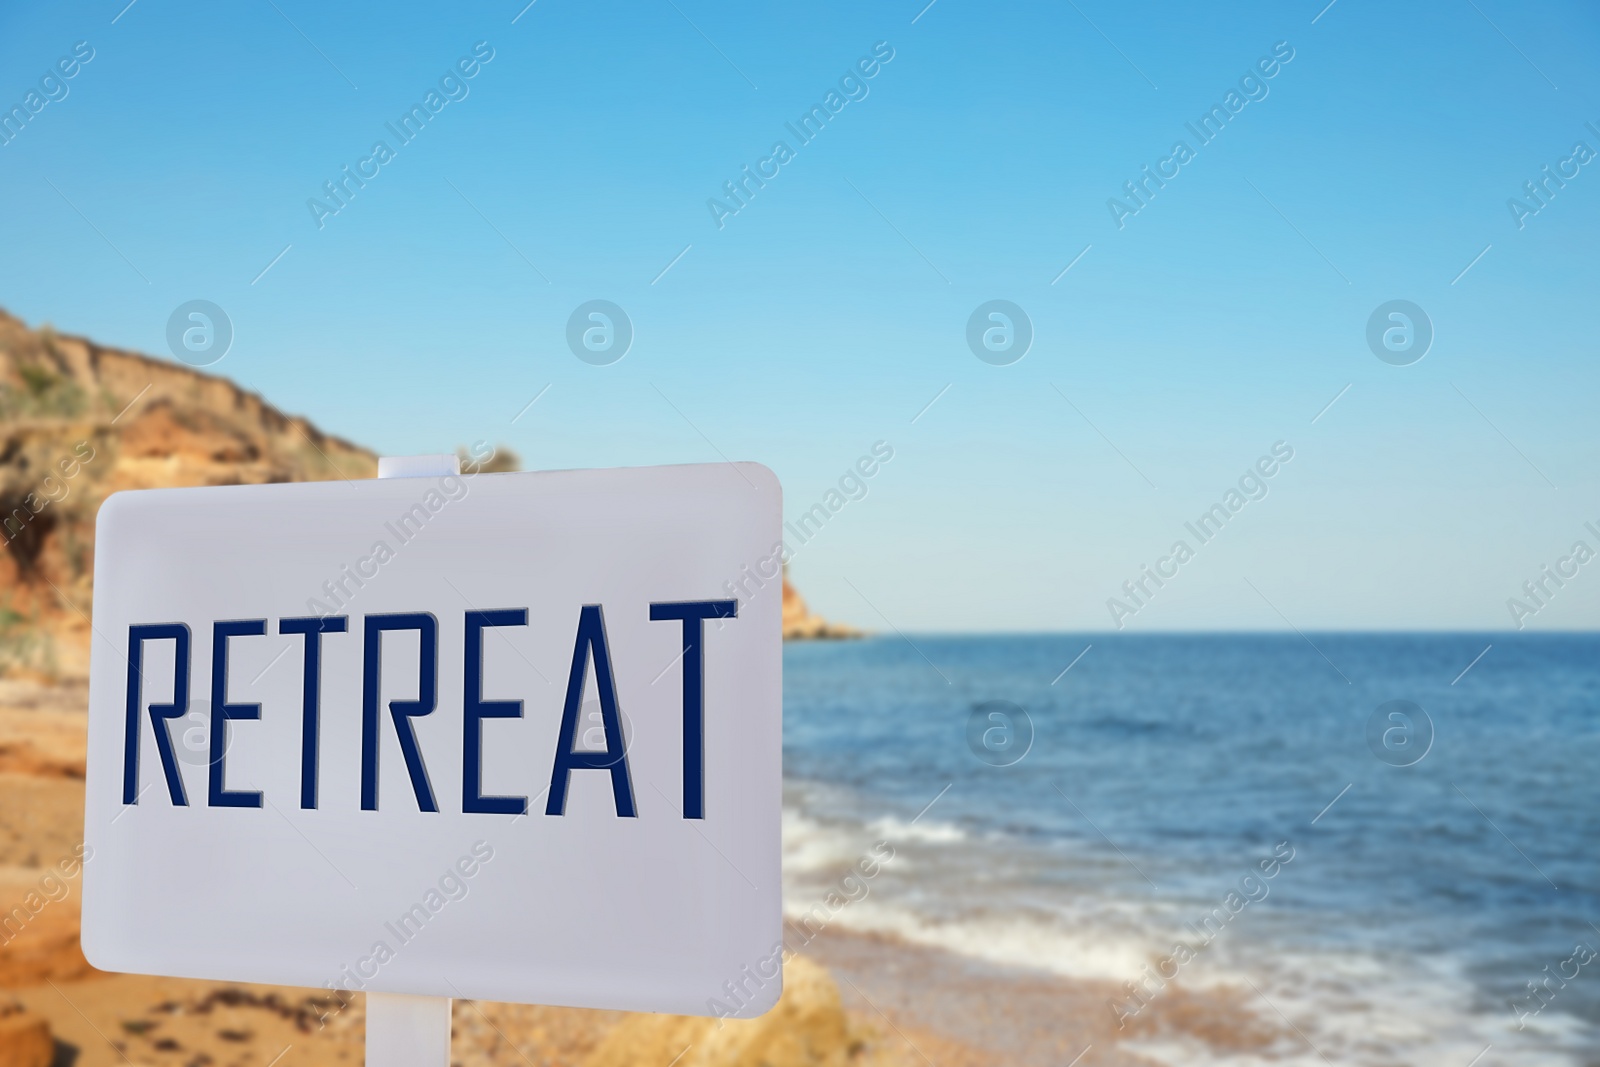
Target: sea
{"type": "Point", "coordinates": [1079, 804]}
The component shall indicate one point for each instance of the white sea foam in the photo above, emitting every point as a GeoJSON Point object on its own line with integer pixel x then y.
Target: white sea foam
{"type": "Point", "coordinates": [1351, 1007]}
{"type": "Point", "coordinates": [812, 847]}
{"type": "Point", "coordinates": [1101, 944]}
{"type": "Point", "coordinates": [928, 831]}
{"type": "Point", "coordinates": [987, 901]}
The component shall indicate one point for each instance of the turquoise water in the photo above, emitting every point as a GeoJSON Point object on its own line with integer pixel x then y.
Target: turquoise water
{"type": "Point", "coordinates": [1164, 769]}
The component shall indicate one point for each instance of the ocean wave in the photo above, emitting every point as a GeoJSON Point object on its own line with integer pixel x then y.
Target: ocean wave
{"type": "Point", "coordinates": [987, 901]}
{"type": "Point", "coordinates": [928, 831]}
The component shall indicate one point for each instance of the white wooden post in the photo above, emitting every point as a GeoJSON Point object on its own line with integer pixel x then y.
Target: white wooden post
{"type": "Point", "coordinates": [408, 1031]}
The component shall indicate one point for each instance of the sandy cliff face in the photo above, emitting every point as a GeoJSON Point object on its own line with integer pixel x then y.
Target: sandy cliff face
{"type": "Point", "coordinates": [79, 421]}
{"type": "Point", "coordinates": [800, 625]}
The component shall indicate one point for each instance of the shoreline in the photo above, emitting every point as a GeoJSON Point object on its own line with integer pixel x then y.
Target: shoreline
{"type": "Point", "coordinates": [1000, 1014]}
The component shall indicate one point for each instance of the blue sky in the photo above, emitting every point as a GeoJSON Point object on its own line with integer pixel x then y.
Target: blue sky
{"type": "Point", "coordinates": [825, 315]}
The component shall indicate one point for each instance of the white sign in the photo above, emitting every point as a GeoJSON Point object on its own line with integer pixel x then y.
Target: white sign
{"type": "Point", "coordinates": [507, 736]}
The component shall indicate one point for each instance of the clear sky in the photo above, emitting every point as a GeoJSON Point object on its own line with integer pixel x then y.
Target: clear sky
{"type": "Point", "coordinates": [976, 164]}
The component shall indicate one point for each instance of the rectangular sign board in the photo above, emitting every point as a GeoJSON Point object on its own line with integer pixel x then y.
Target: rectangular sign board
{"type": "Point", "coordinates": [513, 737]}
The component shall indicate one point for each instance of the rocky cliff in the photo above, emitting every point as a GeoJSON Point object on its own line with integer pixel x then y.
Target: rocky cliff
{"type": "Point", "coordinates": [79, 421]}
{"type": "Point", "coordinates": [800, 625]}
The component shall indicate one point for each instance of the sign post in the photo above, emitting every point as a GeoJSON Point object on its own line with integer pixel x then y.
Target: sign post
{"type": "Point", "coordinates": [404, 1030]}
{"type": "Point", "coordinates": [510, 737]}
{"type": "Point", "coordinates": [407, 1031]}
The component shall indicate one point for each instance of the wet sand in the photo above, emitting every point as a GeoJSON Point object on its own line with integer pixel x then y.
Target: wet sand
{"type": "Point", "coordinates": [1021, 1017]}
